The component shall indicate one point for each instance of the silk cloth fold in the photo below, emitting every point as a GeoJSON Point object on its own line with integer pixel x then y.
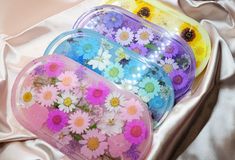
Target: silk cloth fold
{"type": "Point", "coordinates": [201, 126]}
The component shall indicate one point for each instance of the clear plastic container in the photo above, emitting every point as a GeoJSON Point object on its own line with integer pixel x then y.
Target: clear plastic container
{"type": "Point", "coordinates": [119, 65]}
{"type": "Point", "coordinates": [175, 22]}
{"type": "Point", "coordinates": [150, 41]}
{"type": "Point", "coordinates": [70, 107]}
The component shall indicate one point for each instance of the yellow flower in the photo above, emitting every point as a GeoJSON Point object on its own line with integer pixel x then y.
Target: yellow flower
{"type": "Point", "coordinates": [190, 34]}
{"type": "Point", "coordinates": [144, 10]}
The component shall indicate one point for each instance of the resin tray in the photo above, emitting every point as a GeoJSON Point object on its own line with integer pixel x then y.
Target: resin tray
{"type": "Point", "coordinates": [175, 22]}
{"type": "Point", "coordinates": [119, 65]}
{"type": "Point", "coordinates": [150, 41]}
{"type": "Point", "coordinates": [72, 108]}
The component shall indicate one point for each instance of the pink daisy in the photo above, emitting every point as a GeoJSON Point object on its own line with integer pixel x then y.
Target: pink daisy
{"type": "Point", "coordinates": [57, 120]}
{"type": "Point", "coordinates": [94, 144]}
{"type": "Point", "coordinates": [79, 122]}
{"type": "Point", "coordinates": [135, 131]}
{"type": "Point", "coordinates": [96, 94]}
{"type": "Point", "coordinates": [47, 95]}
{"type": "Point", "coordinates": [117, 145]}
{"type": "Point", "coordinates": [132, 110]}
{"type": "Point", "coordinates": [54, 67]}
{"type": "Point", "coordinates": [68, 81]}
{"type": "Point", "coordinates": [63, 138]}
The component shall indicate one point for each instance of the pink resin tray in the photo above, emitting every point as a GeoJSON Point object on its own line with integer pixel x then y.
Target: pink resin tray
{"type": "Point", "coordinates": [72, 108]}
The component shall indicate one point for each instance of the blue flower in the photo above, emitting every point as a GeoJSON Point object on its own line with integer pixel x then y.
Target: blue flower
{"type": "Point", "coordinates": [86, 47]}
{"type": "Point", "coordinates": [114, 72]}
{"type": "Point", "coordinates": [112, 20]}
{"type": "Point", "coordinates": [135, 70]}
{"type": "Point", "coordinates": [149, 88]}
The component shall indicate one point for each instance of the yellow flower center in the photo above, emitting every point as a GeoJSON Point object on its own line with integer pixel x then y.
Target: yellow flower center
{"type": "Point", "coordinates": [115, 102]}
{"type": "Point", "coordinates": [79, 122]}
{"type": "Point", "coordinates": [132, 110]}
{"type": "Point", "coordinates": [124, 36]}
{"type": "Point", "coordinates": [111, 122]}
{"type": "Point", "coordinates": [66, 81]}
{"type": "Point", "coordinates": [47, 95]}
{"type": "Point", "coordinates": [144, 36]}
{"type": "Point", "coordinates": [27, 97]}
{"type": "Point", "coordinates": [168, 68]}
{"type": "Point", "coordinates": [93, 143]}
{"type": "Point", "coordinates": [67, 101]}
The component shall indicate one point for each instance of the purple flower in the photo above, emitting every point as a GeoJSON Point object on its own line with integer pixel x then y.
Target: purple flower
{"type": "Point", "coordinates": [133, 153]}
{"type": "Point", "coordinates": [179, 79]}
{"type": "Point", "coordinates": [80, 72]}
{"type": "Point", "coordinates": [39, 70]}
{"type": "Point", "coordinates": [171, 50]}
{"type": "Point", "coordinates": [139, 49]}
{"type": "Point", "coordinates": [132, 24]}
{"type": "Point", "coordinates": [112, 20]}
{"type": "Point", "coordinates": [57, 120]}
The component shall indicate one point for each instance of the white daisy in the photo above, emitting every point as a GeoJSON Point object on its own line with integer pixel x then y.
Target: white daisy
{"type": "Point", "coordinates": [101, 60]}
{"type": "Point", "coordinates": [67, 102]}
{"type": "Point", "coordinates": [28, 97]}
{"type": "Point", "coordinates": [169, 65]}
{"type": "Point", "coordinates": [114, 101]}
{"type": "Point", "coordinates": [124, 36]}
{"type": "Point", "coordinates": [110, 124]}
{"type": "Point", "coordinates": [144, 36]}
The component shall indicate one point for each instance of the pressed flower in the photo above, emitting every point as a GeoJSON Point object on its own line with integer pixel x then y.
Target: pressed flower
{"type": "Point", "coordinates": [67, 81]}
{"type": "Point", "coordinates": [112, 20]}
{"type": "Point", "coordinates": [63, 137]}
{"type": "Point", "coordinates": [114, 72]}
{"type": "Point", "coordinates": [118, 145]}
{"type": "Point", "coordinates": [28, 96]}
{"type": "Point", "coordinates": [121, 54]}
{"type": "Point", "coordinates": [179, 79]}
{"type": "Point", "coordinates": [79, 122]}
{"type": "Point", "coordinates": [88, 47]}
{"type": "Point", "coordinates": [171, 50]}
{"type": "Point", "coordinates": [169, 65]}
{"type": "Point", "coordinates": [96, 113]}
{"type": "Point", "coordinates": [101, 29]}
{"type": "Point", "coordinates": [110, 124]}
{"type": "Point", "coordinates": [144, 10]}
{"type": "Point", "coordinates": [47, 95]}
{"type": "Point", "coordinates": [39, 70]}
{"type": "Point", "coordinates": [67, 102]}
{"type": "Point", "coordinates": [132, 110]}
{"type": "Point", "coordinates": [115, 101]}
{"type": "Point", "coordinates": [124, 36]}
{"type": "Point", "coordinates": [144, 36]}
{"type": "Point", "coordinates": [101, 61]}
{"type": "Point", "coordinates": [94, 144]}
{"type": "Point", "coordinates": [81, 88]}
{"type": "Point", "coordinates": [190, 34]}
{"type": "Point", "coordinates": [140, 49]}
{"type": "Point", "coordinates": [149, 87]}
{"type": "Point", "coordinates": [135, 131]}
{"type": "Point", "coordinates": [81, 72]}
{"type": "Point", "coordinates": [53, 67]}
{"type": "Point", "coordinates": [57, 120]}
{"type": "Point", "coordinates": [133, 153]}
{"type": "Point", "coordinates": [97, 93]}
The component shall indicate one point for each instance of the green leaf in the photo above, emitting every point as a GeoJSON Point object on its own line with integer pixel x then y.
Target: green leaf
{"type": "Point", "coordinates": [77, 137]}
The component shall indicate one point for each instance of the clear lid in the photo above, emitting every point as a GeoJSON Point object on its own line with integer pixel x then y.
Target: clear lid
{"type": "Point", "coordinates": [150, 41]}
{"type": "Point", "coordinates": [79, 112]}
{"type": "Point", "coordinates": [175, 22]}
{"type": "Point", "coordinates": [119, 65]}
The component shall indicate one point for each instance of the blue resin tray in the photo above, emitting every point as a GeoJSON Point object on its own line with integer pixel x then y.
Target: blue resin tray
{"type": "Point", "coordinates": [119, 65]}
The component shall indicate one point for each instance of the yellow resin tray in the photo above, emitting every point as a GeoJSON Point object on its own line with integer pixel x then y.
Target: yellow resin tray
{"type": "Point", "coordinates": [175, 22]}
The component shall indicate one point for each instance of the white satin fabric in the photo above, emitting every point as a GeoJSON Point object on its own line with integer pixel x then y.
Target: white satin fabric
{"type": "Point", "coordinates": [27, 27]}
